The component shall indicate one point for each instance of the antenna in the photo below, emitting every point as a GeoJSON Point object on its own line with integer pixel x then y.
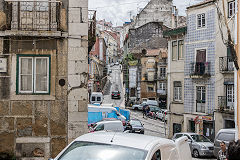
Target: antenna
{"type": "Point", "coordinates": [113, 137]}
{"type": "Point", "coordinates": [130, 14]}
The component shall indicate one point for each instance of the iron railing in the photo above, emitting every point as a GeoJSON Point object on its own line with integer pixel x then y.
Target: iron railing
{"type": "Point", "coordinates": [200, 69]}
{"type": "Point", "coordinates": [223, 105]}
{"type": "Point", "coordinates": [226, 64]}
{"type": "Point", "coordinates": [33, 15]}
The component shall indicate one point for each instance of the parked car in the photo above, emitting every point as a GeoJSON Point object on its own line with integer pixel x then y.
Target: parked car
{"type": "Point", "coordinates": [226, 135]}
{"type": "Point", "coordinates": [116, 95]}
{"type": "Point", "coordinates": [116, 126]}
{"type": "Point", "coordinates": [148, 102]}
{"type": "Point", "coordinates": [138, 106]}
{"type": "Point", "coordinates": [124, 146]}
{"type": "Point", "coordinates": [162, 114]}
{"type": "Point", "coordinates": [199, 144]}
{"type": "Point", "coordinates": [137, 126]}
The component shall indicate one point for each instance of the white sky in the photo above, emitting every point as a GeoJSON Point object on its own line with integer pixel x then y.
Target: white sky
{"type": "Point", "coordinates": [118, 11]}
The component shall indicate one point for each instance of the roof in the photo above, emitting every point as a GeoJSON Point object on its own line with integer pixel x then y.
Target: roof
{"type": "Point", "coordinates": [175, 31]}
{"type": "Point", "coordinates": [201, 3]}
{"type": "Point", "coordinates": [125, 139]}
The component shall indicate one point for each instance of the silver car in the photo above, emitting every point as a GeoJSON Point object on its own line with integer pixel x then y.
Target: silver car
{"type": "Point", "coordinates": [199, 144]}
{"type": "Point", "coordinates": [226, 135]}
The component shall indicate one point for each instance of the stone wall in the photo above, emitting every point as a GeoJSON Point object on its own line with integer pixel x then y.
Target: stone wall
{"type": "Point", "coordinates": [148, 36]}
{"type": "Point", "coordinates": [30, 122]}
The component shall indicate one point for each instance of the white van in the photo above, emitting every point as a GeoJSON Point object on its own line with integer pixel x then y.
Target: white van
{"type": "Point", "coordinates": [152, 102]}
{"type": "Point", "coordinates": [105, 110]}
{"type": "Point", "coordinates": [96, 98]}
{"type": "Point", "coordinates": [115, 126]}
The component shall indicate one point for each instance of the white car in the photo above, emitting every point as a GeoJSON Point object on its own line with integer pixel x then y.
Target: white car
{"type": "Point", "coordinates": [125, 146]}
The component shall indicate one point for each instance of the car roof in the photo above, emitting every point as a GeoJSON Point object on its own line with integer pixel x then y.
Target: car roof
{"type": "Point", "coordinates": [189, 133]}
{"type": "Point", "coordinates": [227, 130]}
{"type": "Point", "coordinates": [125, 139]}
{"type": "Point", "coordinates": [105, 122]}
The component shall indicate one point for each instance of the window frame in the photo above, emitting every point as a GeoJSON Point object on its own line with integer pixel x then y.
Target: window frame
{"type": "Point", "coordinates": [18, 76]}
{"type": "Point", "coordinates": [163, 72]}
{"type": "Point", "coordinates": [162, 86]}
{"type": "Point", "coordinates": [176, 50]}
{"type": "Point", "coordinates": [200, 26]}
{"type": "Point", "coordinates": [233, 9]}
{"type": "Point", "coordinates": [181, 58]}
{"type": "Point", "coordinates": [149, 86]}
{"type": "Point", "coordinates": [177, 90]}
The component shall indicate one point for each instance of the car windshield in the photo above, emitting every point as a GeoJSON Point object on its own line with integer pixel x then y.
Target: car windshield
{"type": "Point", "coordinates": [135, 123]}
{"type": "Point", "coordinates": [115, 92]}
{"type": "Point", "coordinates": [97, 151]}
{"type": "Point", "coordinates": [199, 138]}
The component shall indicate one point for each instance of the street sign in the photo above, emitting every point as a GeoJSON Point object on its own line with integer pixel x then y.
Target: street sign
{"type": "Point", "coordinates": [3, 65]}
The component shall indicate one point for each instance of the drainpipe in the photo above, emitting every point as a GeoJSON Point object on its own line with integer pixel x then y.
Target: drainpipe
{"type": "Point", "coordinates": [236, 73]}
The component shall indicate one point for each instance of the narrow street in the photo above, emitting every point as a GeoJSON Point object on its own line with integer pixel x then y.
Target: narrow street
{"type": "Point", "coordinates": [153, 127]}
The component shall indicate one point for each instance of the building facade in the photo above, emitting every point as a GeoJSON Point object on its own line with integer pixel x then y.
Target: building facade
{"type": "Point", "coordinates": [175, 77]}
{"type": "Point", "coordinates": [43, 89]}
{"type": "Point", "coordinates": [155, 11]}
{"type": "Point", "coordinates": [208, 82]}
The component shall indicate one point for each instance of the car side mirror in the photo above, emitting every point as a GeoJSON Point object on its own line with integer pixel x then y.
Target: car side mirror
{"type": "Point", "coordinates": [189, 141]}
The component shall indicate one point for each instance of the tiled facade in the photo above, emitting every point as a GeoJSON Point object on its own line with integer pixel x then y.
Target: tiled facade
{"type": "Point", "coordinates": [200, 39]}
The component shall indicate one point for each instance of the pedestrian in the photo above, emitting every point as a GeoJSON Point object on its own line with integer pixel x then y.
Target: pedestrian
{"type": "Point", "coordinates": [222, 154]}
{"type": "Point", "coordinates": [144, 110]}
{"type": "Point", "coordinates": [147, 110]}
{"type": "Point", "coordinates": [233, 151]}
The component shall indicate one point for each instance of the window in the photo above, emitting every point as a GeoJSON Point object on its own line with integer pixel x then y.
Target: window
{"type": "Point", "coordinates": [180, 49]}
{"type": "Point", "coordinates": [177, 91]}
{"type": "Point", "coordinates": [162, 86]}
{"type": "Point", "coordinates": [163, 72]}
{"type": "Point", "coordinates": [156, 155]}
{"type": "Point", "coordinates": [100, 127]}
{"type": "Point", "coordinates": [231, 9]}
{"type": "Point", "coordinates": [150, 88]}
{"type": "Point", "coordinates": [201, 94]}
{"type": "Point", "coordinates": [99, 99]}
{"type": "Point", "coordinates": [201, 21]}
{"type": "Point", "coordinates": [178, 136]}
{"type": "Point", "coordinates": [174, 50]}
{"type": "Point", "coordinates": [93, 98]}
{"type": "Point", "coordinates": [201, 99]}
{"type": "Point", "coordinates": [230, 96]}
{"type": "Point", "coordinates": [33, 75]}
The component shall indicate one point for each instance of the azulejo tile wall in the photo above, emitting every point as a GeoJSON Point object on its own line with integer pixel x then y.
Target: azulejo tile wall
{"type": "Point", "coordinates": [200, 39]}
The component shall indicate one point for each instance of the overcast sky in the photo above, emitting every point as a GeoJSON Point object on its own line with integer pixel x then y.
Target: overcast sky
{"type": "Point", "coordinates": [118, 11]}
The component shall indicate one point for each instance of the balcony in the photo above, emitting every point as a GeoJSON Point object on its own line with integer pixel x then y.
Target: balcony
{"type": "Point", "coordinates": [33, 15]}
{"type": "Point", "coordinates": [226, 65]}
{"type": "Point", "coordinates": [224, 105]}
{"type": "Point", "coordinates": [161, 77]}
{"type": "Point", "coordinates": [200, 70]}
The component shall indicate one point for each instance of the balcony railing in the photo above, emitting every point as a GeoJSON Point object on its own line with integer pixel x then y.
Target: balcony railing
{"type": "Point", "coordinates": [33, 15]}
{"type": "Point", "coordinates": [200, 69]}
{"type": "Point", "coordinates": [223, 104]}
{"type": "Point", "coordinates": [226, 64]}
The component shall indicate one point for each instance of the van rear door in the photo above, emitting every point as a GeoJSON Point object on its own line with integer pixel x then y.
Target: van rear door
{"type": "Point", "coordinates": [183, 148]}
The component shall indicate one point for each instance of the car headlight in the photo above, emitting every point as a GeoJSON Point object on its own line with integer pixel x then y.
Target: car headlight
{"type": "Point", "coordinates": [203, 147]}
